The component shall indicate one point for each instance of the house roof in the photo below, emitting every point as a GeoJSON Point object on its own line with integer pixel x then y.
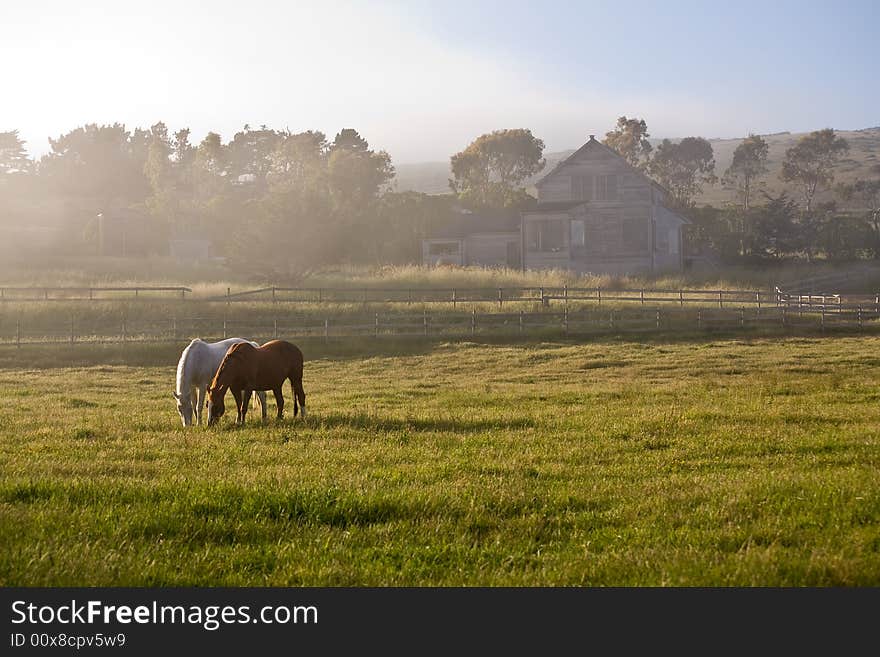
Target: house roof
{"type": "Point", "coordinates": [461, 223]}
{"type": "Point", "coordinates": [593, 143]}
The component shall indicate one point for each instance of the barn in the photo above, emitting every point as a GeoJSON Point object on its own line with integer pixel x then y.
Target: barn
{"type": "Point", "coordinates": [598, 214]}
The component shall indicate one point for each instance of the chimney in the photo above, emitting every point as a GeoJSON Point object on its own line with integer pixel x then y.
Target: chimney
{"type": "Point", "coordinates": [592, 137]}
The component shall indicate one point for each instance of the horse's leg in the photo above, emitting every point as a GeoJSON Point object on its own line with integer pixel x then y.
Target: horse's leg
{"type": "Point", "coordinates": [202, 393]}
{"type": "Point", "coordinates": [194, 400]}
{"type": "Point", "coordinates": [261, 395]}
{"type": "Point", "coordinates": [245, 404]}
{"type": "Point", "coordinates": [279, 400]}
{"type": "Point", "coordinates": [298, 393]}
{"type": "Point", "coordinates": [237, 395]}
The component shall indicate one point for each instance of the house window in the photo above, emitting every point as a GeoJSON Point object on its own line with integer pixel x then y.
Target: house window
{"type": "Point", "coordinates": [545, 235]}
{"type": "Point", "coordinates": [606, 187]}
{"type": "Point", "coordinates": [581, 188]}
{"type": "Point", "coordinates": [673, 241]}
{"type": "Point", "coordinates": [443, 248]}
{"type": "Point", "coordinates": [578, 232]}
{"type": "Point", "coordinates": [635, 235]}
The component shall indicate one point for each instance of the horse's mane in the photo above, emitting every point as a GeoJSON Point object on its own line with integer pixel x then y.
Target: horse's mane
{"type": "Point", "coordinates": [232, 354]}
{"type": "Point", "coordinates": [181, 365]}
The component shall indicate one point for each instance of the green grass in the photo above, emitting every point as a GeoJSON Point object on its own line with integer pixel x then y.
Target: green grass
{"type": "Point", "coordinates": [607, 463]}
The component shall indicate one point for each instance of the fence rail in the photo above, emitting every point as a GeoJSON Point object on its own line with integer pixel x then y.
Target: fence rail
{"type": "Point", "coordinates": [544, 295]}
{"type": "Point", "coordinates": [454, 324]}
{"type": "Point", "coordinates": [500, 295]}
{"type": "Point", "coordinates": [33, 293]}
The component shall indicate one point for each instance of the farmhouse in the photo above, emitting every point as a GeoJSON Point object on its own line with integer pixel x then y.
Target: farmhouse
{"type": "Point", "coordinates": [489, 238]}
{"type": "Point", "coordinates": [596, 213]}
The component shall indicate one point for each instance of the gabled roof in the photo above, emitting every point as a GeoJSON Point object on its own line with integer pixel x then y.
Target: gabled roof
{"type": "Point", "coordinates": [593, 143]}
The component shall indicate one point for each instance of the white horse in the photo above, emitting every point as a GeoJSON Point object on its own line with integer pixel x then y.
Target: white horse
{"type": "Point", "coordinates": [196, 368]}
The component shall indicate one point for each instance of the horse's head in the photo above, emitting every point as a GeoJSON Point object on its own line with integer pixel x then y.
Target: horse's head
{"type": "Point", "coordinates": [184, 408]}
{"type": "Point", "coordinates": [215, 405]}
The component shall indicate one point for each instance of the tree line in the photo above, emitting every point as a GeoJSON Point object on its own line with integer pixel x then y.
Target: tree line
{"type": "Point", "coordinates": [276, 203]}
{"type": "Point", "coordinates": [273, 202]}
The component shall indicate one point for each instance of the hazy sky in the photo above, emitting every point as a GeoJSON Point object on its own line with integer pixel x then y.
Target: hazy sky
{"type": "Point", "coordinates": [421, 79]}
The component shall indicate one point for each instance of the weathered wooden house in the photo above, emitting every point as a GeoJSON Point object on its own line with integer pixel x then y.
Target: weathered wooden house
{"type": "Point", "coordinates": [485, 238]}
{"type": "Point", "coordinates": [598, 214]}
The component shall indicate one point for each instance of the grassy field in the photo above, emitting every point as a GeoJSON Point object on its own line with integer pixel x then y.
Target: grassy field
{"type": "Point", "coordinates": [611, 463]}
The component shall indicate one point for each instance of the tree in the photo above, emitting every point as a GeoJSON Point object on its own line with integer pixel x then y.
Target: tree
{"type": "Point", "coordinates": [810, 163]}
{"type": "Point", "coordinates": [13, 156]}
{"type": "Point", "coordinates": [772, 227]}
{"type": "Point", "coordinates": [355, 173]}
{"type": "Point", "coordinates": [630, 139]}
{"type": "Point", "coordinates": [348, 139]}
{"type": "Point", "coordinates": [104, 164]}
{"type": "Point", "coordinates": [493, 166]}
{"type": "Point", "coordinates": [684, 167]}
{"type": "Point", "coordinates": [748, 165]}
{"type": "Point", "coordinates": [865, 196]}
{"type": "Point", "coordinates": [249, 154]}
{"type": "Point", "coordinates": [299, 159]}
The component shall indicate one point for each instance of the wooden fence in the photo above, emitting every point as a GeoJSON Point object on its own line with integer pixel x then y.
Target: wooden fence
{"type": "Point", "coordinates": [543, 296]}
{"type": "Point", "coordinates": [564, 322]}
{"type": "Point", "coordinates": [90, 293]}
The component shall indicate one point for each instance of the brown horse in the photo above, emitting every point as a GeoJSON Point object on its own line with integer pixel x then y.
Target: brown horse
{"type": "Point", "coordinates": [246, 368]}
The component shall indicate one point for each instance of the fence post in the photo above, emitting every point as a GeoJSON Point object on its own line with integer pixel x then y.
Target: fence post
{"type": "Point", "coordinates": [642, 296]}
{"type": "Point", "coordinates": [565, 320]}
{"type": "Point", "coordinates": [90, 294]}
{"type": "Point", "coordinates": [658, 317]}
{"type": "Point", "coordinates": [409, 296]}
{"type": "Point", "coordinates": [425, 320]}
{"type": "Point", "coordinates": [123, 332]}
{"type": "Point", "coordinates": [565, 293]}
{"type": "Point", "coordinates": [681, 298]}
{"type": "Point", "coordinates": [500, 297]}
{"type": "Point", "coordinates": [783, 316]}
{"type": "Point", "coordinates": [599, 295]}
{"type": "Point", "coordinates": [320, 299]}
{"type": "Point", "coordinates": [758, 299]}
{"type": "Point", "coordinates": [473, 320]}
{"type": "Point", "coordinates": [453, 298]}
{"type": "Point", "coordinates": [326, 329]}
{"type": "Point", "coordinates": [18, 334]}
{"type": "Point", "coordinates": [860, 317]}
{"type": "Point", "coordinates": [742, 317]}
{"type": "Point", "coordinates": [228, 290]}
{"type": "Point", "coordinates": [720, 301]}
{"type": "Point", "coordinates": [273, 294]}
{"type": "Point", "coordinates": [377, 325]}
{"type": "Point", "coordinates": [822, 319]}
{"type": "Point", "coordinates": [611, 320]}
{"type": "Point", "coordinates": [544, 300]}
{"type": "Point", "coordinates": [520, 321]}
{"type": "Point", "coordinates": [699, 318]}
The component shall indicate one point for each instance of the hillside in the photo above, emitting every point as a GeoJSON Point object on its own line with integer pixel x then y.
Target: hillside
{"type": "Point", "coordinates": [433, 177]}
